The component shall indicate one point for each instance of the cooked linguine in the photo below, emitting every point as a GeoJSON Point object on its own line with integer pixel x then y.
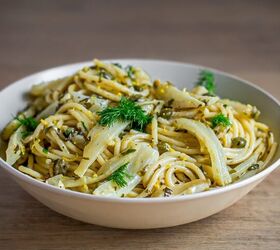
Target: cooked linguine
{"type": "Point", "coordinates": [109, 130]}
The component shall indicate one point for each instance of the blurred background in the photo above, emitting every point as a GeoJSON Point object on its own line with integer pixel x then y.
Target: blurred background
{"type": "Point", "coordinates": [239, 37]}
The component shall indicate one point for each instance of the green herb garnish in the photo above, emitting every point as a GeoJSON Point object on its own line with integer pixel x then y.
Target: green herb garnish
{"type": "Point", "coordinates": [24, 134]}
{"type": "Point", "coordinates": [130, 72]}
{"type": "Point", "coordinates": [104, 74]}
{"type": "Point", "coordinates": [68, 132]}
{"type": "Point", "coordinates": [119, 176]}
{"type": "Point", "coordinates": [84, 126]}
{"type": "Point", "coordinates": [207, 80]}
{"type": "Point", "coordinates": [127, 110]}
{"type": "Point", "coordinates": [45, 150]}
{"type": "Point", "coordinates": [131, 150]}
{"type": "Point", "coordinates": [167, 192]}
{"type": "Point", "coordinates": [220, 120]}
{"type": "Point", "coordinates": [30, 125]}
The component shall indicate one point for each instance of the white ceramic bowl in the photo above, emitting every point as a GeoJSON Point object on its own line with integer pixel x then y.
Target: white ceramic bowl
{"type": "Point", "coordinates": [144, 212]}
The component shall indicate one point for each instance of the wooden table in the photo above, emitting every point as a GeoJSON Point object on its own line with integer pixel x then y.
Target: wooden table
{"type": "Point", "coordinates": [234, 36]}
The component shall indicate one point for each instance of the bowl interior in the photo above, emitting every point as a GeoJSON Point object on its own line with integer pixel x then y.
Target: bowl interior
{"type": "Point", "coordinates": [182, 75]}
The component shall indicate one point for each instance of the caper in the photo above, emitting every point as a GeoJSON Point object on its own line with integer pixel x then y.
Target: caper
{"type": "Point", "coordinates": [138, 88]}
{"type": "Point", "coordinates": [254, 167]}
{"type": "Point", "coordinates": [238, 142]}
{"type": "Point", "coordinates": [156, 84]}
{"type": "Point", "coordinates": [163, 147]}
{"type": "Point", "coordinates": [166, 113]}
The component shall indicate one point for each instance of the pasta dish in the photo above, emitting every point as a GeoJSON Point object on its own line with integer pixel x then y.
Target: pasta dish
{"type": "Point", "coordinates": [109, 130]}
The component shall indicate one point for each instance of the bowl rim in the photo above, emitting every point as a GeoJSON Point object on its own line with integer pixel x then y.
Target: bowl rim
{"type": "Point", "coordinates": [258, 177]}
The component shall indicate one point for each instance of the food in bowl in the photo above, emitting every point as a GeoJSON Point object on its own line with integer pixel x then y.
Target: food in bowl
{"type": "Point", "coordinates": [109, 130]}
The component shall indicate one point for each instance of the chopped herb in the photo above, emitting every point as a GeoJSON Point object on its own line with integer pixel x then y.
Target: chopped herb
{"type": "Point", "coordinates": [131, 150]}
{"type": "Point", "coordinates": [238, 142]}
{"type": "Point", "coordinates": [117, 65]}
{"type": "Point", "coordinates": [167, 192]}
{"type": "Point", "coordinates": [130, 72]}
{"type": "Point", "coordinates": [30, 125]}
{"type": "Point", "coordinates": [254, 167]}
{"type": "Point", "coordinates": [45, 150]}
{"type": "Point", "coordinates": [220, 120]}
{"type": "Point", "coordinates": [24, 134]}
{"type": "Point", "coordinates": [225, 105]}
{"type": "Point", "coordinates": [207, 80]}
{"type": "Point", "coordinates": [127, 110]}
{"type": "Point", "coordinates": [68, 132]}
{"type": "Point", "coordinates": [208, 94]}
{"type": "Point", "coordinates": [255, 113]}
{"type": "Point", "coordinates": [119, 176]}
{"type": "Point", "coordinates": [84, 126]}
{"type": "Point", "coordinates": [104, 74]}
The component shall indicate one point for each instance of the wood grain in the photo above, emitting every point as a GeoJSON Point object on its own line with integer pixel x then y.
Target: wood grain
{"type": "Point", "coordinates": [241, 37]}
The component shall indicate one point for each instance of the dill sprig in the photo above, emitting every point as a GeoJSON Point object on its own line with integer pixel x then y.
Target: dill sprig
{"type": "Point", "coordinates": [126, 110]}
{"type": "Point", "coordinates": [207, 80]}
{"type": "Point", "coordinates": [220, 120]}
{"type": "Point", "coordinates": [119, 176]}
{"type": "Point", "coordinates": [29, 123]}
